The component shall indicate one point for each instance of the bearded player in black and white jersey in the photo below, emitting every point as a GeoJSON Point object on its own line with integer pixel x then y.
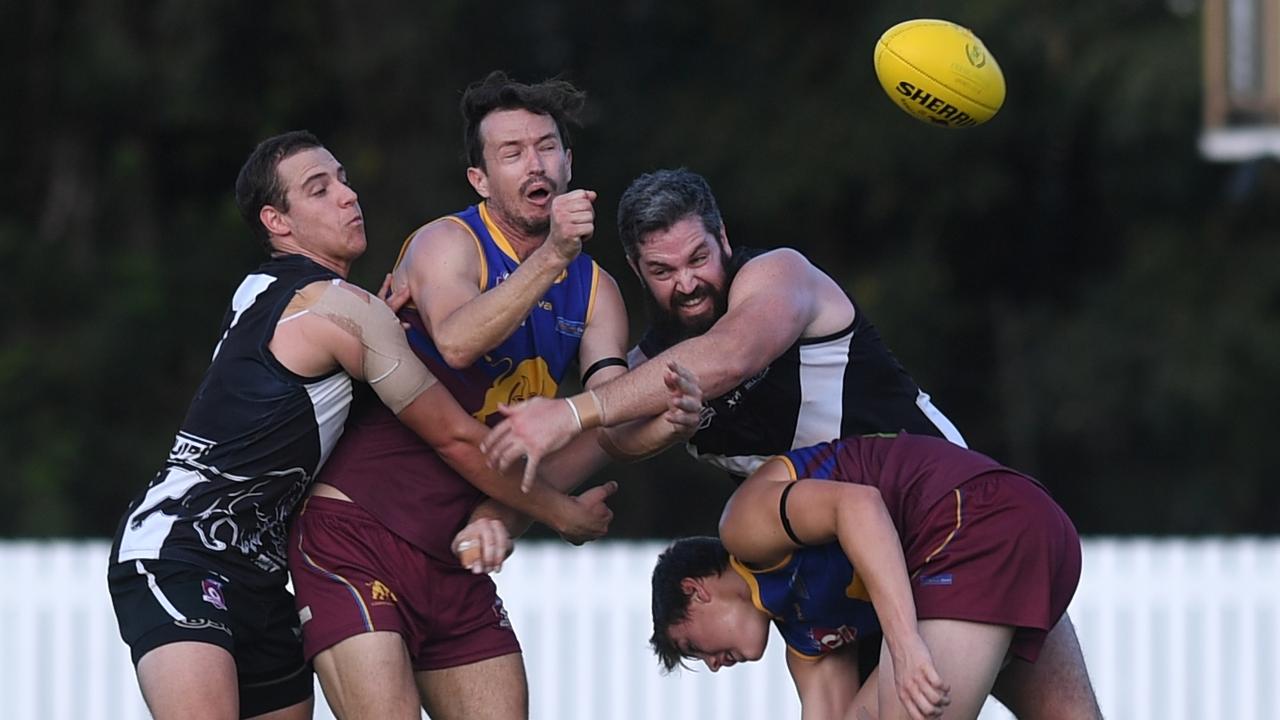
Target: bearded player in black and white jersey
{"type": "Point", "coordinates": [787, 359]}
{"type": "Point", "coordinates": [198, 567]}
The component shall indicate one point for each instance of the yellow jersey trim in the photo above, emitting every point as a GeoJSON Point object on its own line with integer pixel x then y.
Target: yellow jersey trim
{"type": "Point", "coordinates": [498, 238]}
{"type": "Point", "coordinates": [595, 283]}
{"type": "Point", "coordinates": [791, 468]}
{"type": "Point", "coordinates": [808, 658]}
{"type": "Point", "coordinates": [752, 583]}
{"type": "Point", "coordinates": [950, 536]}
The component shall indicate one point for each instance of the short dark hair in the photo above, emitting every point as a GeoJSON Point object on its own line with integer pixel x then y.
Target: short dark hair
{"type": "Point", "coordinates": [691, 557]}
{"type": "Point", "coordinates": [557, 98]}
{"type": "Point", "coordinates": [258, 183]}
{"type": "Point", "coordinates": [657, 200]}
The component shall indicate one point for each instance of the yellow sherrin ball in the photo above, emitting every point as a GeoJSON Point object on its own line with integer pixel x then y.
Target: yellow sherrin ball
{"type": "Point", "coordinates": [939, 73]}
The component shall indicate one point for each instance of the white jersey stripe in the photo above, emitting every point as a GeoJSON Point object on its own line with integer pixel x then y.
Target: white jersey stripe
{"type": "Point", "coordinates": [822, 369]}
{"type": "Point", "coordinates": [158, 593]}
{"type": "Point", "coordinates": [940, 421]}
{"type": "Point", "coordinates": [331, 399]}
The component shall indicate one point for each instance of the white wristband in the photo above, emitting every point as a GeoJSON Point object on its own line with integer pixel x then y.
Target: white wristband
{"type": "Point", "coordinates": [577, 419]}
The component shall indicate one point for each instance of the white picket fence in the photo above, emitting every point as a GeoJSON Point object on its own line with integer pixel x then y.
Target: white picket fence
{"type": "Point", "coordinates": [1172, 629]}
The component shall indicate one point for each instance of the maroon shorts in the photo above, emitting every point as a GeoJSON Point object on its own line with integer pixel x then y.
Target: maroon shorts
{"type": "Point", "coordinates": [996, 550]}
{"type": "Point", "coordinates": [351, 575]}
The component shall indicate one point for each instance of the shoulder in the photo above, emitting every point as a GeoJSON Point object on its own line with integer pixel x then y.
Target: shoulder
{"type": "Point", "coordinates": [783, 278]}
{"type": "Point", "coordinates": [604, 280]}
{"type": "Point", "coordinates": [445, 231]}
{"type": "Point", "coordinates": [773, 263]}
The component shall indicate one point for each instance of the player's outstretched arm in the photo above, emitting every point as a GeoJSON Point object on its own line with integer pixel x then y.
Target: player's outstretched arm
{"type": "Point", "coordinates": [770, 305]}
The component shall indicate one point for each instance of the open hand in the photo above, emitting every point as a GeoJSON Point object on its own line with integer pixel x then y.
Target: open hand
{"type": "Point", "coordinates": [684, 402]}
{"type": "Point", "coordinates": [532, 430]}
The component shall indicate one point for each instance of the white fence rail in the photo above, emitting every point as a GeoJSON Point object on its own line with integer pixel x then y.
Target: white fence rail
{"type": "Point", "coordinates": [1172, 629]}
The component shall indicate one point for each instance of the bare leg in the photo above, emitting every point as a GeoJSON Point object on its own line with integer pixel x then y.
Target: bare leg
{"type": "Point", "coordinates": [369, 676]}
{"type": "Point", "coordinates": [1056, 686]}
{"type": "Point", "coordinates": [493, 689]}
{"type": "Point", "coordinates": [190, 680]}
{"type": "Point", "coordinates": [968, 656]}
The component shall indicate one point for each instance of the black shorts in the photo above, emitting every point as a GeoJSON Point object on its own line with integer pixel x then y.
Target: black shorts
{"type": "Point", "coordinates": [158, 602]}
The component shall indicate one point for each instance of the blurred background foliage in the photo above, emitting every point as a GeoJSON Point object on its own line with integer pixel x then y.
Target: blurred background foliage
{"type": "Point", "coordinates": [1085, 296]}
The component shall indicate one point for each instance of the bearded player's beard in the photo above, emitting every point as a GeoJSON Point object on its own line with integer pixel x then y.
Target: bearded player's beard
{"type": "Point", "coordinates": [672, 327]}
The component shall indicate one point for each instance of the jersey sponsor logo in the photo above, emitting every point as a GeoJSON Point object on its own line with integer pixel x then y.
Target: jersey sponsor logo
{"type": "Point", "coordinates": [381, 593]}
{"type": "Point", "coordinates": [833, 638]}
{"type": "Point", "coordinates": [546, 305]}
{"type": "Point", "coordinates": [706, 416]}
{"type": "Point", "coordinates": [211, 592]}
{"type": "Point", "coordinates": [530, 379]}
{"type": "Point", "coordinates": [940, 579]}
{"type": "Point", "coordinates": [571, 328]}
{"type": "Point", "coordinates": [202, 624]}
{"type": "Point", "coordinates": [188, 447]}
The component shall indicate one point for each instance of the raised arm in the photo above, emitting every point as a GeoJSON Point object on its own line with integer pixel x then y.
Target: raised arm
{"type": "Point", "coordinates": [822, 511]}
{"type": "Point", "coordinates": [771, 303]}
{"type": "Point", "coordinates": [442, 268]}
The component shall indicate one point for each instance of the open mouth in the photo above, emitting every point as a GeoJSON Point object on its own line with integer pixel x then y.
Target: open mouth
{"type": "Point", "coordinates": [691, 302]}
{"type": "Point", "coordinates": [537, 192]}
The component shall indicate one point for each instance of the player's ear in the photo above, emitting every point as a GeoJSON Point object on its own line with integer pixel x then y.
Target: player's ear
{"type": "Point", "coordinates": [273, 220]}
{"type": "Point", "coordinates": [695, 589]}
{"type": "Point", "coordinates": [479, 181]}
{"type": "Point", "coordinates": [724, 241]}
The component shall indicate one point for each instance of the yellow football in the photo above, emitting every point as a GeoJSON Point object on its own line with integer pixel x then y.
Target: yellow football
{"type": "Point", "coordinates": [940, 73]}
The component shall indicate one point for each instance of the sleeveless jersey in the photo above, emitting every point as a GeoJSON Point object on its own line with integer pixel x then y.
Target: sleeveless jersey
{"type": "Point", "coordinates": [820, 389]}
{"type": "Point", "coordinates": [815, 599]}
{"type": "Point", "coordinates": [253, 438]}
{"type": "Point", "coordinates": [395, 476]}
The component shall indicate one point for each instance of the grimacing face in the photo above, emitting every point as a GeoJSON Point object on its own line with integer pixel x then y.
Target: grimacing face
{"type": "Point", "coordinates": [684, 270]}
{"type": "Point", "coordinates": [324, 211]}
{"type": "Point", "coordinates": [721, 631]}
{"type": "Point", "coordinates": [525, 166]}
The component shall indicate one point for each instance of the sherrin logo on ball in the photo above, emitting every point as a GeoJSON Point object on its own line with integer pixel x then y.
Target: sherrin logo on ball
{"type": "Point", "coordinates": [940, 73]}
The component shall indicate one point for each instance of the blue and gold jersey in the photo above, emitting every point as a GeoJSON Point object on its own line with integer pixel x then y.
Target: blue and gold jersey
{"type": "Point", "coordinates": [534, 359]}
{"type": "Point", "coordinates": [815, 599]}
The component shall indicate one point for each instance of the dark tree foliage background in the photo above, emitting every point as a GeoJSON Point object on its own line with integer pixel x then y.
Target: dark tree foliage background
{"type": "Point", "coordinates": [1084, 295]}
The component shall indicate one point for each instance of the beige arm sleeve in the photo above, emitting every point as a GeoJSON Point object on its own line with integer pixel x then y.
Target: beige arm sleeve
{"type": "Point", "coordinates": [390, 367]}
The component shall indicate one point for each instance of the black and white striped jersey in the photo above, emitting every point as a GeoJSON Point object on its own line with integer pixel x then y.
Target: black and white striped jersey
{"type": "Point", "coordinates": [821, 389]}
{"type": "Point", "coordinates": [253, 439]}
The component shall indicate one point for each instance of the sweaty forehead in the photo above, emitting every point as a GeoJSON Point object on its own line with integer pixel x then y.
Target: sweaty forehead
{"type": "Point", "coordinates": [505, 126]}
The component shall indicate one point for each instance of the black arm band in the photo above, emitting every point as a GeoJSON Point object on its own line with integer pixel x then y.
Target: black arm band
{"type": "Point", "coordinates": [601, 364]}
{"type": "Point", "coordinates": [782, 513]}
